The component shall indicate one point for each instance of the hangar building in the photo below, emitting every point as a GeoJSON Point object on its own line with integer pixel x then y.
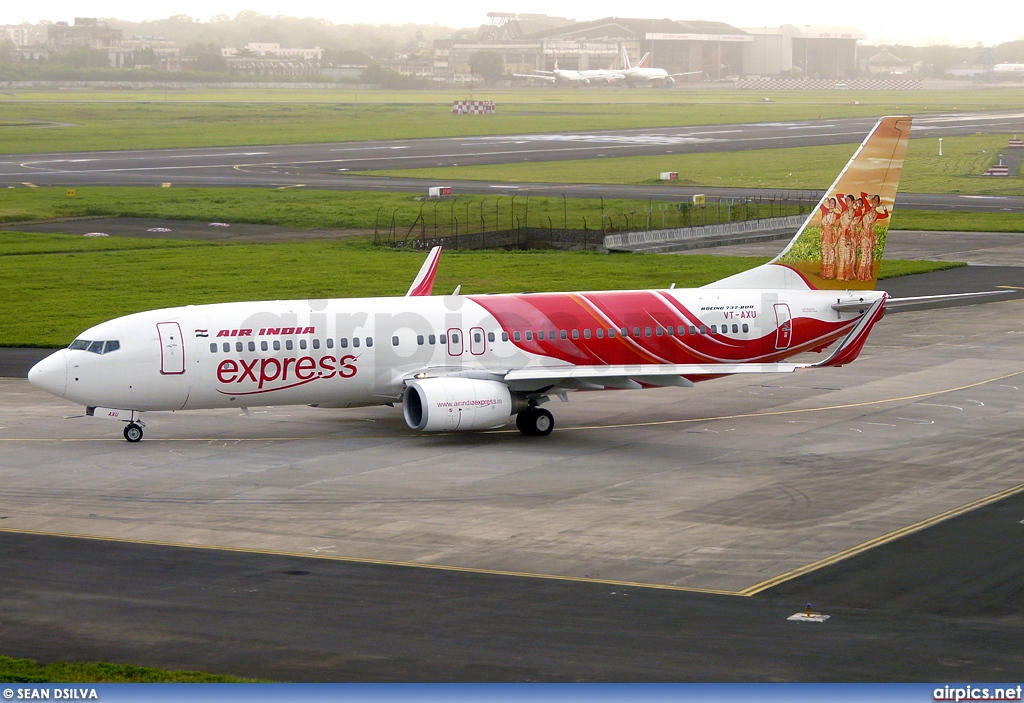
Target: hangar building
{"type": "Point", "coordinates": [528, 43]}
{"type": "Point", "coordinates": [802, 51]}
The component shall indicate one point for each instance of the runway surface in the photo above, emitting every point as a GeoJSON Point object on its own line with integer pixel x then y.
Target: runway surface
{"type": "Point", "coordinates": [331, 166]}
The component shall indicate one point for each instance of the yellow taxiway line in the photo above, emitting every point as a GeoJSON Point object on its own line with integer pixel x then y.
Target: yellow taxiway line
{"type": "Point", "coordinates": [745, 593]}
{"type": "Point", "coordinates": [374, 562]}
{"type": "Point", "coordinates": [653, 423]}
{"type": "Point", "coordinates": [879, 541]}
{"type": "Point", "coordinates": [772, 413]}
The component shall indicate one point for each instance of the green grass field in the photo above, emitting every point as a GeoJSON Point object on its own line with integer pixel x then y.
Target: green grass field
{"type": "Point", "coordinates": [65, 283]}
{"type": "Point", "coordinates": [335, 209]}
{"type": "Point", "coordinates": [99, 120]}
{"type": "Point", "coordinates": [29, 671]}
{"type": "Point", "coordinates": [316, 209]}
{"type": "Point", "coordinates": [958, 170]}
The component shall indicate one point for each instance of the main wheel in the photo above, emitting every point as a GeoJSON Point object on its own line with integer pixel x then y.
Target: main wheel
{"type": "Point", "coordinates": [535, 422]}
{"type": "Point", "coordinates": [524, 420]}
{"type": "Point", "coordinates": [543, 423]}
{"type": "Point", "coordinates": [132, 432]}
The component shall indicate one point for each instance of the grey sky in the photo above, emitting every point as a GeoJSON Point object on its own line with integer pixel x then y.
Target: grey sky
{"type": "Point", "coordinates": [907, 22]}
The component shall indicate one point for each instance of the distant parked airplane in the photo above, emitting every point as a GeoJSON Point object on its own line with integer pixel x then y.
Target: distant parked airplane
{"type": "Point", "coordinates": [640, 74]}
{"type": "Point", "coordinates": [1008, 69]}
{"type": "Point", "coordinates": [472, 362]}
{"type": "Point", "coordinates": [578, 78]}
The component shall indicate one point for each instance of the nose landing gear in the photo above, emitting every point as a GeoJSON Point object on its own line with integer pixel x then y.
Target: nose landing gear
{"type": "Point", "coordinates": [535, 422]}
{"type": "Point", "coordinates": [133, 432]}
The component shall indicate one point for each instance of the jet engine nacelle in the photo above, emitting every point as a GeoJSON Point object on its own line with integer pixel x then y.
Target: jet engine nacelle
{"type": "Point", "coordinates": [449, 404]}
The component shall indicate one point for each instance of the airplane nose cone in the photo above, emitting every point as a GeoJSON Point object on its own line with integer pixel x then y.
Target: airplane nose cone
{"type": "Point", "coordinates": [51, 374]}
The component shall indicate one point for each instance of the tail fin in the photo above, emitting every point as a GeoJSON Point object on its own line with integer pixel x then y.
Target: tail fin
{"type": "Point", "coordinates": [625, 57]}
{"type": "Point", "coordinates": [839, 246]}
{"type": "Point", "coordinates": [555, 54]}
{"type": "Point", "coordinates": [642, 63]}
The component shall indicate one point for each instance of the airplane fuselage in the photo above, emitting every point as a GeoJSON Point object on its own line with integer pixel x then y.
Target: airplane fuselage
{"type": "Point", "coordinates": [345, 352]}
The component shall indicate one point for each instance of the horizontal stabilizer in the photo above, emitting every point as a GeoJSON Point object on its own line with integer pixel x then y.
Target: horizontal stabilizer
{"type": "Point", "coordinates": [904, 304]}
{"type": "Point", "coordinates": [900, 304]}
{"type": "Point", "coordinates": [849, 349]}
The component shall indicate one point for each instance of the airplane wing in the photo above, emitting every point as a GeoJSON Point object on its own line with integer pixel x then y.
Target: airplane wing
{"type": "Point", "coordinates": [628, 376]}
{"type": "Point", "coordinates": [539, 76]}
{"type": "Point", "coordinates": [423, 284]}
{"type": "Point", "coordinates": [686, 73]}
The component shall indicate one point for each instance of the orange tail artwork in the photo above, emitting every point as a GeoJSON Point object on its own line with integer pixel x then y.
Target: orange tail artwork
{"type": "Point", "coordinates": [840, 245]}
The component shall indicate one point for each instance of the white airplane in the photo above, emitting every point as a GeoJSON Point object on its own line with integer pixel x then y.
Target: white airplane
{"type": "Point", "coordinates": [1009, 69]}
{"type": "Point", "coordinates": [577, 78]}
{"type": "Point", "coordinates": [641, 74]}
{"type": "Point", "coordinates": [472, 362]}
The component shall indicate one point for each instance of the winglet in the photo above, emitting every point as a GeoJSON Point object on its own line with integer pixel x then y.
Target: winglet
{"type": "Point", "coordinates": [423, 284]}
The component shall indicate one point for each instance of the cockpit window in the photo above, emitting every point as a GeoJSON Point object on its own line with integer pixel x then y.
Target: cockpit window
{"type": "Point", "coordinates": [99, 347]}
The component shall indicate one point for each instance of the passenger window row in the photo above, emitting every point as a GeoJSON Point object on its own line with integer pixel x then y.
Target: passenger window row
{"type": "Point", "coordinates": [443, 338]}
{"type": "Point", "coordinates": [625, 332]}
{"type": "Point", "coordinates": [528, 335]}
{"type": "Point", "coordinates": [104, 347]}
{"type": "Point", "coordinates": [289, 344]}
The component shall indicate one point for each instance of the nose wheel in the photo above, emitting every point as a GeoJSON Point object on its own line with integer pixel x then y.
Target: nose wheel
{"type": "Point", "coordinates": [535, 422]}
{"type": "Point", "coordinates": [133, 432]}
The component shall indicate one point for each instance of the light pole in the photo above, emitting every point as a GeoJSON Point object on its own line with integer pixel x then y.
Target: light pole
{"type": "Point", "coordinates": [719, 58]}
{"type": "Point", "coordinates": [807, 36]}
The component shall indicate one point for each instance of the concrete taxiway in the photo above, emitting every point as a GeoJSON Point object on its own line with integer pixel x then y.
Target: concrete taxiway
{"type": "Point", "coordinates": [328, 165]}
{"type": "Point", "coordinates": [724, 487]}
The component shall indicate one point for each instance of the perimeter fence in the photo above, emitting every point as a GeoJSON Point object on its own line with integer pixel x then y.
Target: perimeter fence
{"type": "Point", "coordinates": [542, 222]}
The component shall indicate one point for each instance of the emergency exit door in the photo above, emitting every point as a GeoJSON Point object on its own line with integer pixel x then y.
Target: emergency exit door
{"type": "Point", "coordinates": [784, 329]}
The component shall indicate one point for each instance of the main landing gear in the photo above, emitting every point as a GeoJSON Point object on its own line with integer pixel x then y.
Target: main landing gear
{"type": "Point", "coordinates": [535, 422]}
{"type": "Point", "coordinates": [133, 432]}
